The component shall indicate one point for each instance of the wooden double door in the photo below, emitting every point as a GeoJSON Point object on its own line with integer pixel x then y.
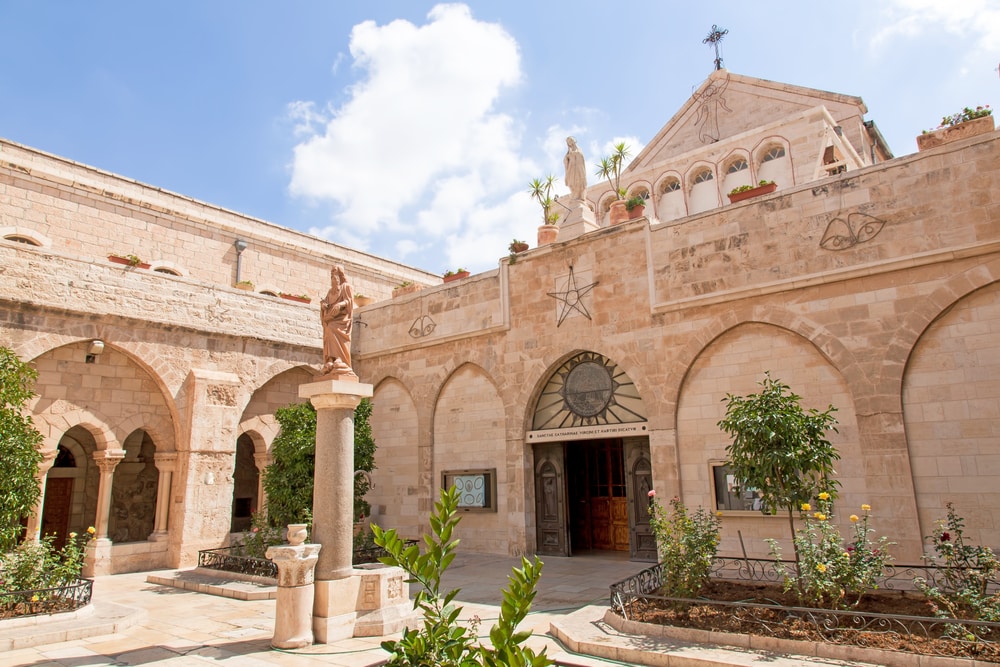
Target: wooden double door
{"type": "Point", "coordinates": [588, 496]}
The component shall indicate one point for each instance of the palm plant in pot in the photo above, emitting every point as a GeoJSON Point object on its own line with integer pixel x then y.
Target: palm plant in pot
{"type": "Point", "coordinates": [610, 169]}
{"type": "Point", "coordinates": [541, 190]}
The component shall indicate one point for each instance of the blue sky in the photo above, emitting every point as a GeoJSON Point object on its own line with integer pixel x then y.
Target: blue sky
{"type": "Point", "coordinates": [409, 129]}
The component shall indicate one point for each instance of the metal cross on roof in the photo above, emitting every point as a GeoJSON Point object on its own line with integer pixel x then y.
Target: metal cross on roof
{"type": "Point", "coordinates": [714, 38]}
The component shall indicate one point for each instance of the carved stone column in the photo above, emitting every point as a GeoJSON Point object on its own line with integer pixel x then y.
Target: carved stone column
{"type": "Point", "coordinates": [293, 614]}
{"type": "Point", "coordinates": [166, 463]}
{"type": "Point", "coordinates": [33, 530]}
{"type": "Point", "coordinates": [98, 558]}
{"type": "Point", "coordinates": [261, 460]}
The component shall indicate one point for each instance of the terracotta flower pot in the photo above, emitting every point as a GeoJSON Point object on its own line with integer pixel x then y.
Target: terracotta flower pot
{"type": "Point", "coordinates": [405, 289]}
{"type": "Point", "coordinates": [116, 259]}
{"type": "Point", "coordinates": [519, 247]}
{"type": "Point", "coordinates": [456, 276]}
{"type": "Point", "coordinates": [547, 234]}
{"type": "Point", "coordinates": [363, 300]}
{"type": "Point", "coordinates": [295, 297]}
{"type": "Point", "coordinates": [753, 192]}
{"type": "Point", "coordinates": [618, 213]}
{"type": "Point", "coordinates": [636, 212]}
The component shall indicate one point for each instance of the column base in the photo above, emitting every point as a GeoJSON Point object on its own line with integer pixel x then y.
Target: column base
{"type": "Point", "coordinates": [97, 558]}
{"type": "Point", "coordinates": [374, 601]}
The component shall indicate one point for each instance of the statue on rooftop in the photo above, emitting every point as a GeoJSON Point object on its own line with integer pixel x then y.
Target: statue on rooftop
{"type": "Point", "coordinates": [336, 312]}
{"type": "Point", "coordinates": [576, 169]}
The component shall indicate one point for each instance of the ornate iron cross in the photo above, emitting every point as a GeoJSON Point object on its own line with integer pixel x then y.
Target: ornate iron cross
{"type": "Point", "coordinates": [714, 38]}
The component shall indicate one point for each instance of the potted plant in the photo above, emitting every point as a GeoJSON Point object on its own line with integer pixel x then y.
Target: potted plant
{"type": "Point", "coordinates": [966, 123]}
{"type": "Point", "coordinates": [301, 298]}
{"type": "Point", "coordinates": [457, 274]}
{"type": "Point", "coordinates": [610, 169]}
{"type": "Point", "coordinates": [362, 300]}
{"type": "Point", "coordinates": [244, 285]}
{"type": "Point", "coordinates": [405, 287]}
{"type": "Point", "coordinates": [517, 246]}
{"type": "Point", "coordinates": [635, 206]}
{"type": "Point", "coordinates": [748, 191]}
{"type": "Point", "coordinates": [133, 261]}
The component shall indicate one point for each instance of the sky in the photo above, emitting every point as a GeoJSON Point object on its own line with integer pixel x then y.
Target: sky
{"type": "Point", "coordinates": [411, 129]}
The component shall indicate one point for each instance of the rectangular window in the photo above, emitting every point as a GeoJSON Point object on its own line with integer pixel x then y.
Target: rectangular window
{"type": "Point", "coordinates": [730, 494]}
{"type": "Point", "coordinates": [477, 488]}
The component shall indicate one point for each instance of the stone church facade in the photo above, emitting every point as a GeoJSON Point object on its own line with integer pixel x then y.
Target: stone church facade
{"type": "Point", "coordinates": [555, 390]}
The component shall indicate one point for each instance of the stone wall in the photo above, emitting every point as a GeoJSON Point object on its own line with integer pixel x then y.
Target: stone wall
{"type": "Point", "coordinates": [873, 290]}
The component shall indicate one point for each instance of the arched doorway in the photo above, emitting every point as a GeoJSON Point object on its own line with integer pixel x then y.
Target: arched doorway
{"type": "Point", "coordinates": [134, 490]}
{"type": "Point", "coordinates": [246, 480]}
{"type": "Point", "coordinates": [70, 503]}
{"type": "Point", "coordinates": [592, 463]}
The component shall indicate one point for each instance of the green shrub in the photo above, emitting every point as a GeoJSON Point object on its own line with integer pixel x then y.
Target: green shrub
{"type": "Point", "coordinates": [441, 641]}
{"type": "Point", "coordinates": [686, 544]}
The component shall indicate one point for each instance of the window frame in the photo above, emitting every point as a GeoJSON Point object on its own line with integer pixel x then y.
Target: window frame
{"type": "Point", "coordinates": [489, 476]}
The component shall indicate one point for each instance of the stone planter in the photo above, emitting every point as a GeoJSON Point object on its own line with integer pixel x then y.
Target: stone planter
{"type": "Point", "coordinates": [753, 192]}
{"type": "Point", "coordinates": [244, 286]}
{"type": "Point", "coordinates": [636, 212]}
{"type": "Point", "coordinates": [295, 297]}
{"type": "Point", "coordinates": [404, 289]}
{"type": "Point", "coordinates": [947, 135]}
{"type": "Point", "coordinates": [618, 213]}
{"type": "Point", "coordinates": [547, 234]}
{"type": "Point", "coordinates": [297, 533]}
{"type": "Point", "coordinates": [360, 300]}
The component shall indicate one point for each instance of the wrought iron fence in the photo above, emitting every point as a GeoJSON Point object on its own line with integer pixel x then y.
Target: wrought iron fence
{"type": "Point", "coordinates": [638, 598]}
{"type": "Point", "coordinates": [228, 559]}
{"type": "Point", "coordinates": [46, 600]}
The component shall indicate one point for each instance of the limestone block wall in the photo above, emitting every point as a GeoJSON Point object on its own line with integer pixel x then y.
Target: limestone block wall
{"type": "Point", "coordinates": [837, 286]}
{"type": "Point", "coordinates": [89, 213]}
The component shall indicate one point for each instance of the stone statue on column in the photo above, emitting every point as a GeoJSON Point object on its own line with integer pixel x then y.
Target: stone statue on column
{"type": "Point", "coordinates": [336, 312]}
{"type": "Point", "coordinates": [576, 169]}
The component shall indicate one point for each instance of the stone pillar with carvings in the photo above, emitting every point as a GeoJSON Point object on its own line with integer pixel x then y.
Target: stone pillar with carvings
{"type": "Point", "coordinates": [293, 614]}
{"type": "Point", "coordinates": [200, 510]}
{"type": "Point", "coordinates": [98, 557]}
{"type": "Point", "coordinates": [34, 527]}
{"type": "Point", "coordinates": [166, 463]}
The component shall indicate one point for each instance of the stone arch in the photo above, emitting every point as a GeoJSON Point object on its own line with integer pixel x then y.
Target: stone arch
{"type": "Point", "coordinates": [166, 267]}
{"type": "Point", "coordinates": [734, 363]}
{"type": "Point", "coordinates": [702, 187]}
{"type": "Point", "coordinates": [35, 238]}
{"type": "Point", "coordinates": [925, 311]}
{"type": "Point", "coordinates": [733, 179]}
{"type": "Point", "coordinates": [950, 401]}
{"type": "Point", "coordinates": [604, 207]}
{"type": "Point", "coordinates": [671, 203]}
{"type": "Point", "coordinates": [779, 170]}
{"type": "Point", "coordinates": [60, 417]}
{"type": "Point", "coordinates": [826, 343]}
{"type": "Point", "coordinates": [469, 427]}
{"type": "Point", "coordinates": [402, 496]}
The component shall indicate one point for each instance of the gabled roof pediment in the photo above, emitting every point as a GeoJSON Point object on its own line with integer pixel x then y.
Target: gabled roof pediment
{"type": "Point", "coordinates": [727, 104]}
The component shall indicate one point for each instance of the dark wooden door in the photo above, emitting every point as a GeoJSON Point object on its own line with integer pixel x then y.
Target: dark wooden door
{"type": "Point", "coordinates": [550, 500]}
{"type": "Point", "coordinates": [56, 510]}
{"type": "Point", "coordinates": [598, 498]}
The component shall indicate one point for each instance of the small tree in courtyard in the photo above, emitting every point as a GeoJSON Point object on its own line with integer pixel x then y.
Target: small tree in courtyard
{"type": "Point", "coordinates": [780, 449]}
{"type": "Point", "coordinates": [288, 480]}
{"type": "Point", "coordinates": [19, 448]}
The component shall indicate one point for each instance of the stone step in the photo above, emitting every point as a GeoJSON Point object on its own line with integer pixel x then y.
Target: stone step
{"type": "Point", "coordinates": [97, 618]}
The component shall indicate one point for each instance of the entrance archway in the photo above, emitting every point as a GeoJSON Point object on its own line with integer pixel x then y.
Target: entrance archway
{"type": "Point", "coordinates": [592, 463]}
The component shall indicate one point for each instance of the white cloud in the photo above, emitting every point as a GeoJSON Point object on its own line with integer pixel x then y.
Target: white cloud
{"type": "Point", "coordinates": [420, 148]}
{"type": "Point", "coordinates": [977, 21]}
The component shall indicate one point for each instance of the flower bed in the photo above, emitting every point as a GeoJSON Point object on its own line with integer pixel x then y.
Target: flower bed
{"type": "Point", "coordinates": [746, 596]}
{"type": "Point", "coordinates": [14, 604]}
{"type": "Point", "coordinates": [231, 559]}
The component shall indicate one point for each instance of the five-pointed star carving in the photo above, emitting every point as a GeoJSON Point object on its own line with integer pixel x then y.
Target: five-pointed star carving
{"type": "Point", "coordinates": [572, 298]}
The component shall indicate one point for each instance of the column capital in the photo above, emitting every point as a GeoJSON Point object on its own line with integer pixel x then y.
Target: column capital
{"type": "Point", "coordinates": [334, 394]}
{"type": "Point", "coordinates": [296, 564]}
{"type": "Point", "coordinates": [165, 461]}
{"type": "Point", "coordinates": [107, 459]}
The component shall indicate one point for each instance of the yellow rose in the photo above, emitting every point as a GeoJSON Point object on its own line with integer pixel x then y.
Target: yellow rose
{"type": "Point", "coordinates": [846, 554]}
{"type": "Point", "coordinates": [854, 518]}
{"type": "Point", "coordinates": [824, 496]}
{"type": "Point", "coordinates": [820, 516]}
{"type": "Point", "coordinates": [72, 536]}
{"type": "Point", "coordinates": [821, 567]}
{"type": "Point", "coordinates": [34, 598]}
{"type": "Point", "coordinates": [718, 513]}
{"type": "Point", "coordinates": [806, 507]}
{"type": "Point", "coordinates": [866, 508]}
{"type": "Point", "coordinates": [91, 530]}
